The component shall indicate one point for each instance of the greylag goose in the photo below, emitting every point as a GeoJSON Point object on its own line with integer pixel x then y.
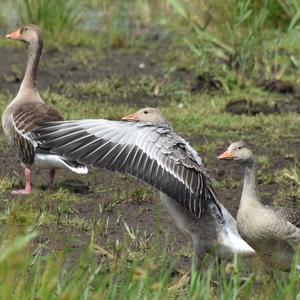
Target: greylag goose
{"type": "Point", "coordinates": [27, 110]}
{"type": "Point", "coordinates": [149, 149]}
{"type": "Point", "coordinates": [273, 233]}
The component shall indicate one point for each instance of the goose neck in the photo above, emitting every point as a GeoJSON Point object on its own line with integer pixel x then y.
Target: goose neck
{"type": "Point", "coordinates": [34, 53]}
{"type": "Point", "coordinates": [249, 193]}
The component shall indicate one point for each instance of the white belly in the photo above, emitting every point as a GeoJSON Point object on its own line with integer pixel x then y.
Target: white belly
{"type": "Point", "coordinates": [48, 161]}
{"type": "Point", "coordinates": [51, 161]}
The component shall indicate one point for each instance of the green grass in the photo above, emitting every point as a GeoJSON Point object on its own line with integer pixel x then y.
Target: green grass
{"type": "Point", "coordinates": [293, 175]}
{"type": "Point", "coordinates": [234, 34]}
{"type": "Point", "coordinates": [77, 253]}
{"type": "Point", "coordinates": [136, 266]}
{"type": "Point", "coordinates": [27, 276]}
{"type": "Point", "coordinates": [126, 23]}
{"type": "Point", "coordinates": [113, 24]}
{"type": "Point", "coordinates": [57, 18]}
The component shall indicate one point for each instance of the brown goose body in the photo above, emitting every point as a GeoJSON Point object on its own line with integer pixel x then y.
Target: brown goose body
{"type": "Point", "coordinates": [149, 149]}
{"type": "Point", "coordinates": [27, 111]}
{"type": "Point", "coordinates": [27, 117]}
{"type": "Point", "coordinates": [272, 232]}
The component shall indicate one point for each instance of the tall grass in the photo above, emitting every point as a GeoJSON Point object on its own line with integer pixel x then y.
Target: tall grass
{"type": "Point", "coordinates": [119, 23]}
{"type": "Point", "coordinates": [59, 18]}
{"type": "Point", "coordinates": [28, 275]}
{"type": "Point", "coordinates": [244, 34]}
{"type": "Point", "coordinates": [252, 38]}
{"type": "Point", "coordinates": [124, 23]}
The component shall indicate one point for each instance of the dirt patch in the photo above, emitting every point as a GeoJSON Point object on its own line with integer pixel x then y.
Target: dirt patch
{"type": "Point", "coordinates": [205, 82]}
{"type": "Point", "coordinates": [251, 108]}
{"type": "Point", "coordinates": [279, 86]}
{"type": "Point", "coordinates": [290, 105]}
{"type": "Point", "coordinates": [73, 65]}
{"type": "Point", "coordinates": [79, 65]}
{"type": "Point", "coordinates": [248, 107]}
{"type": "Point", "coordinates": [107, 202]}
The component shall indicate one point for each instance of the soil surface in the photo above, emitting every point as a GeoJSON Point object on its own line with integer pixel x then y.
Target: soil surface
{"type": "Point", "coordinates": [104, 195]}
{"type": "Point", "coordinates": [248, 107]}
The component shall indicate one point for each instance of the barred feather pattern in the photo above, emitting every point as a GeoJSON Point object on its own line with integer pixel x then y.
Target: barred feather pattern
{"type": "Point", "coordinates": [289, 214]}
{"type": "Point", "coordinates": [153, 153]}
{"type": "Point", "coordinates": [26, 118]}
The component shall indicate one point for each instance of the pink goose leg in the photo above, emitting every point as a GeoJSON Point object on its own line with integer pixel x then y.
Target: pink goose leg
{"type": "Point", "coordinates": [27, 189]}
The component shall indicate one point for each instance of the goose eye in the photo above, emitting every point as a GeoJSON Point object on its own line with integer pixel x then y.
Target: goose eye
{"type": "Point", "coordinates": [24, 29]}
{"type": "Point", "coordinates": [145, 112]}
{"type": "Point", "coordinates": [240, 147]}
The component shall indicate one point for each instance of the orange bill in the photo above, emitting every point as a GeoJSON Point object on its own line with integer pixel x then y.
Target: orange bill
{"type": "Point", "coordinates": [131, 118]}
{"type": "Point", "coordinates": [226, 155]}
{"type": "Point", "coordinates": [16, 35]}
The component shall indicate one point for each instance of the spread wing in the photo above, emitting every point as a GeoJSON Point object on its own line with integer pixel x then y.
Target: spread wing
{"type": "Point", "coordinates": [154, 154]}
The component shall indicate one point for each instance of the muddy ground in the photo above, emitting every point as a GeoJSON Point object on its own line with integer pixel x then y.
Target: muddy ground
{"type": "Point", "coordinates": [105, 196]}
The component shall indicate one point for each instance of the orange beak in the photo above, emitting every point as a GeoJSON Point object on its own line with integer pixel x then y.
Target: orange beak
{"type": "Point", "coordinates": [227, 155]}
{"type": "Point", "coordinates": [131, 118]}
{"type": "Point", "coordinates": [16, 35]}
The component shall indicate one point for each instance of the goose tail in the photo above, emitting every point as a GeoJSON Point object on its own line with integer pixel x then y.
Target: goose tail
{"type": "Point", "coordinates": [75, 166]}
{"type": "Point", "coordinates": [229, 237]}
{"type": "Point", "coordinates": [44, 160]}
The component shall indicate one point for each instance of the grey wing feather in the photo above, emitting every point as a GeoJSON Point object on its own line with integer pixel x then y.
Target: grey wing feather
{"type": "Point", "coordinates": [154, 154]}
{"type": "Point", "coordinates": [289, 214]}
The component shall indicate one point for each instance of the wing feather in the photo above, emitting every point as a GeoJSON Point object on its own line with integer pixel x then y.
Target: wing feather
{"type": "Point", "coordinates": [153, 153]}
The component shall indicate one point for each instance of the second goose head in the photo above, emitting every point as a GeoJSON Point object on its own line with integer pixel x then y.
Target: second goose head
{"type": "Point", "coordinates": [147, 115]}
{"type": "Point", "coordinates": [239, 152]}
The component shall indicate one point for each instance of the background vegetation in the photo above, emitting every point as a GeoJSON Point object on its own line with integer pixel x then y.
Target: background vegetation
{"type": "Point", "coordinates": [220, 71]}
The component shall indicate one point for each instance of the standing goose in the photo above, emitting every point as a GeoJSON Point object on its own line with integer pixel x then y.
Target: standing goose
{"type": "Point", "coordinates": [27, 111]}
{"type": "Point", "coordinates": [149, 149]}
{"type": "Point", "coordinates": [273, 233]}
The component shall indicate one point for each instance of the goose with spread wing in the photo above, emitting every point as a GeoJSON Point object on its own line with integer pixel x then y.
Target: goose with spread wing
{"type": "Point", "coordinates": [274, 233]}
{"type": "Point", "coordinates": [27, 111]}
{"type": "Point", "coordinates": [149, 149]}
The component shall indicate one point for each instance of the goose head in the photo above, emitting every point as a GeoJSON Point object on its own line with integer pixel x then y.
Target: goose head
{"type": "Point", "coordinates": [27, 33]}
{"type": "Point", "coordinates": [147, 115]}
{"type": "Point", "coordinates": [239, 152]}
